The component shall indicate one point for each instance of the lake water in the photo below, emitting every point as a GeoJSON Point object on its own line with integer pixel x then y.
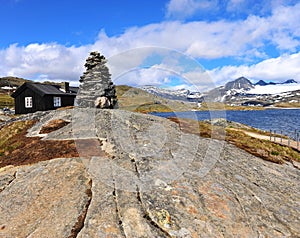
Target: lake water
{"type": "Point", "coordinates": [285, 120]}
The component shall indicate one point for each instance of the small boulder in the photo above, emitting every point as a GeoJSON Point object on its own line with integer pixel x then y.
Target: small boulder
{"type": "Point", "coordinates": [102, 102]}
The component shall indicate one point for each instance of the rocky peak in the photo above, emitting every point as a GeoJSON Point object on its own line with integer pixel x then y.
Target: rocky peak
{"type": "Point", "coordinates": [290, 81]}
{"type": "Point", "coordinates": [240, 83]}
{"type": "Point", "coordinates": [261, 83]}
{"type": "Point", "coordinates": [96, 88]}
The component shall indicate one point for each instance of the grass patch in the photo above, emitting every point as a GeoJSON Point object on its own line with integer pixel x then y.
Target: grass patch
{"type": "Point", "coordinates": [152, 107]}
{"type": "Point", "coordinates": [288, 105]}
{"type": "Point", "coordinates": [6, 101]}
{"type": "Point", "coordinates": [276, 153]}
{"type": "Point", "coordinates": [206, 106]}
{"type": "Point", "coordinates": [138, 100]}
{"type": "Point", "coordinates": [264, 149]}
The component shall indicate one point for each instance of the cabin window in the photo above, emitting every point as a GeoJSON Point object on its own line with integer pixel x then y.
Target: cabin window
{"type": "Point", "coordinates": [56, 101]}
{"type": "Point", "coordinates": [28, 102]}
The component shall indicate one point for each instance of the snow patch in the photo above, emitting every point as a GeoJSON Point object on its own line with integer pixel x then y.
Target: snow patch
{"type": "Point", "coordinates": [274, 89]}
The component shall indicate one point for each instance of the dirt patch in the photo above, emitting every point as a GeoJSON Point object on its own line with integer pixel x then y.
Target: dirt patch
{"type": "Point", "coordinates": [53, 126]}
{"type": "Point", "coordinates": [17, 149]}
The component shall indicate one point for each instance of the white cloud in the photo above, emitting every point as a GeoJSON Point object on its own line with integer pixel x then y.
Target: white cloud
{"type": "Point", "coordinates": [154, 75]}
{"type": "Point", "coordinates": [200, 80]}
{"type": "Point", "coordinates": [286, 30]}
{"type": "Point", "coordinates": [43, 62]}
{"type": "Point", "coordinates": [221, 38]}
{"type": "Point", "coordinates": [161, 67]}
{"type": "Point", "coordinates": [276, 69]}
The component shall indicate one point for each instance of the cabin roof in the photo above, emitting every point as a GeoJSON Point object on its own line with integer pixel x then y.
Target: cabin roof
{"type": "Point", "coordinates": [45, 89]}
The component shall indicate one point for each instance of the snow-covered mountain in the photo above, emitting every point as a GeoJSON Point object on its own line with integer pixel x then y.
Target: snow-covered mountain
{"type": "Point", "coordinates": [240, 91]}
{"type": "Point", "coordinates": [224, 93]}
{"type": "Point", "coordinates": [243, 92]}
{"type": "Point", "coordinates": [179, 94]}
{"type": "Point", "coordinates": [263, 83]}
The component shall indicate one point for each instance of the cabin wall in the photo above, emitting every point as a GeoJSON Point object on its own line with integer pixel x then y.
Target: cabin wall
{"type": "Point", "coordinates": [66, 100]}
{"type": "Point", "coordinates": [40, 103]}
{"type": "Point", "coordinates": [37, 102]}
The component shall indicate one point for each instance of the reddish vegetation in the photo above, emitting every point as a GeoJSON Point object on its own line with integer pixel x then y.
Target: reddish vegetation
{"type": "Point", "coordinates": [53, 126]}
{"type": "Point", "coordinates": [17, 149]}
{"type": "Point", "coordinates": [20, 150]}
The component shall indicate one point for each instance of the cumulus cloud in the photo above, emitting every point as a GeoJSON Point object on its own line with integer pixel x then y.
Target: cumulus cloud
{"type": "Point", "coordinates": [145, 76]}
{"type": "Point", "coordinates": [43, 62]}
{"type": "Point", "coordinates": [160, 67]}
{"type": "Point", "coordinates": [215, 39]}
{"type": "Point", "coordinates": [200, 80]}
{"type": "Point", "coordinates": [275, 69]}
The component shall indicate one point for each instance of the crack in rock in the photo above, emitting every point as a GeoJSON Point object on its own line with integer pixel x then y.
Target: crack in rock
{"type": "Point", "coordinates": [119, 216]}
{"type": "Point", "coordinates": [148, 217]}
{"type": "Point", "coordinates": [7, 180]}
{"type": "Point", "coordinates": [144, 209]}
{"type": "Point", "coordinates": [81, 219]}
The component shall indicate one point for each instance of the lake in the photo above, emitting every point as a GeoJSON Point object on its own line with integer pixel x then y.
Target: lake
{"type": "Point", "coordinates": [285, 120]}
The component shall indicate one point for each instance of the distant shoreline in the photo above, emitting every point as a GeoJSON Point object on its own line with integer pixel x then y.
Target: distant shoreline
{"type": "Point", "coordinates": [250, 109]}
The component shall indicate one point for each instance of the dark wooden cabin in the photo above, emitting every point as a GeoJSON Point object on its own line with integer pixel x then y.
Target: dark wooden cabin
{"type": "Point", "coordinates": [32, 97]}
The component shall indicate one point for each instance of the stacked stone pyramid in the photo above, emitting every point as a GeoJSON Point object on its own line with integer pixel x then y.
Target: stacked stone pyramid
{"type": "Point", "coordinates": [96, 88]}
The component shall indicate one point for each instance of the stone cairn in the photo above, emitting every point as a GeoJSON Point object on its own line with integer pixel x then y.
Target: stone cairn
{"type": "Point", "coordinates": [96, 88]}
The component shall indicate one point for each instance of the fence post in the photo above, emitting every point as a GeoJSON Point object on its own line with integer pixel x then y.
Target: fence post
{"type": "Point", "coordinates": [280, 137]}
{"type": "Point", "coordinates": [270, 134]}
{"type": "Point", "coordinates": [297, 141]}
{"type": "Point", "coordinates": [274, 135]}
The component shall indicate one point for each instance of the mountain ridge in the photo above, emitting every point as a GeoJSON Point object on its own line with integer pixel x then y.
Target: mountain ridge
{"type": "Point", "coordinates": [240, 92]}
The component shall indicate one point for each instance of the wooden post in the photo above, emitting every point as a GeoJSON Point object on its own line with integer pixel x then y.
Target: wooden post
{"type": "Point", "coordinates": [274, 136]}
{"type": "Point", "coordinates": [281, 137]}
{"type": "Point", "coordinates": [297, 141]}
{"type": "Point", "coordinates": [270, 134]}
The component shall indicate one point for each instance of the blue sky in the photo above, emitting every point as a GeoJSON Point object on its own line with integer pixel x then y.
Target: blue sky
{"type": "Point", "coordinates": [72, 22]}
{"type": "Point", "coordinates": [50, 40]}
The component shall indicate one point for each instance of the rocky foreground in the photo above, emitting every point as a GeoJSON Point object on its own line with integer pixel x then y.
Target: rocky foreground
{"type": "Point", "coordinates": [143, 177]}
